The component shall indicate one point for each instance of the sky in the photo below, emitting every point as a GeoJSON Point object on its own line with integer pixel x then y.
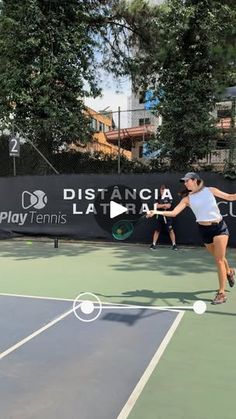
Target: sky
{"type": "Point", "coordinates": [113, 95]}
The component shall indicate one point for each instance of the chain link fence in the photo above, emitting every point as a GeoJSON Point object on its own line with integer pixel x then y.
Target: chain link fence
{"type": "Point", "coordinates": [118, 144]}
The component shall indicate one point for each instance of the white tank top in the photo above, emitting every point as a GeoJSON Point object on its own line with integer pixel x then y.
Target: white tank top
{"type": "Point", "coordinates": [204, 206]}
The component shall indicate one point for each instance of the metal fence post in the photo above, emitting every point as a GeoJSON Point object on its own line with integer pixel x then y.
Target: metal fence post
{"type": "Point", "coordinates": [119, 140]}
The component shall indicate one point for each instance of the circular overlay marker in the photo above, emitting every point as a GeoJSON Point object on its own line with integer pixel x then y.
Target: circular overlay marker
{"type": "Point", "coordinates": [87, 307]}
{"type": "Point", "coordinates": [199, 307]}
{"type": "Point", "coordinates": [111, 204]}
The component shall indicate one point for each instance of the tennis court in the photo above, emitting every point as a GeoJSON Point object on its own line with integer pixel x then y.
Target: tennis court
{"type": "Point", "coordinates": [139, 358]}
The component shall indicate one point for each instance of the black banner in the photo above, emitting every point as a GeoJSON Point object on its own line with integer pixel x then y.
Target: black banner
{"type": "Point", "coordinates": [78, 206]}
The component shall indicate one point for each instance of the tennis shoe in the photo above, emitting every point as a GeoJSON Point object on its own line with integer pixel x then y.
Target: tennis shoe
{"type": "Point", "coordinates": [230, 278]}
{"type": "Point", "coordinates": [174, 247]}
{"type": "Point", "coordinates": [219, 298]}
{"type": "Point", "coordinates": [153, 247]}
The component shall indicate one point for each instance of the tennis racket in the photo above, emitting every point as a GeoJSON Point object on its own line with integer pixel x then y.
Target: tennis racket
{"type": "Point", "coordinates": [123, 229]}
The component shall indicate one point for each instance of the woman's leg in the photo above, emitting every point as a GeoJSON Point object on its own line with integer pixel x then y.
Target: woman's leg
{"type": "Point", "coordinates": [220, 244]}
{"type": "Point", "coordinates": [210, 247]}
{"type": "Point", "coordinates": [218, 251]}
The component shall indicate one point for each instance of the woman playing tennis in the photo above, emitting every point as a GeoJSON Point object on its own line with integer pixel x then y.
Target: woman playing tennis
{"type": "Point", "coordinates": [213, 229]}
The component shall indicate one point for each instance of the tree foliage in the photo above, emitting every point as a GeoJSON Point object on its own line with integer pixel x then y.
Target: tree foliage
{"type": "Point", "coordinates": [186, 54]}
{"type": "Point", "coordinates": [50, 52]}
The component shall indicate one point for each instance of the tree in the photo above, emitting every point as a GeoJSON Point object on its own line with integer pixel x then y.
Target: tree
{"type": "Point", "coordinates": [51, 52]}
{"type": "Point", "coordinates": [49, 59]}
{"type": "Point", "coordinates": [181, 57]}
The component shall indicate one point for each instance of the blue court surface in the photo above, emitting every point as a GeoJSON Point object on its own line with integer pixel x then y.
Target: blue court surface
{"type": "Point", "coordinates": [54, 365]}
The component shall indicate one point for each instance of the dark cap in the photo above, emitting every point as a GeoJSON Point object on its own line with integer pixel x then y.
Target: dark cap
{"type": "Point", "coordinates": [190, 175]}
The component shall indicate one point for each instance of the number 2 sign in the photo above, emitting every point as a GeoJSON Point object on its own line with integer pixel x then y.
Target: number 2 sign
{"type": "Point", "coordinates": [14, 147]}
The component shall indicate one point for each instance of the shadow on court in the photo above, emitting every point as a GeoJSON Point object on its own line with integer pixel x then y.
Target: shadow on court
{"type": "Point", "coordinates": [164, 259]}
{"type": "Point", "coordinates": [166, 274]}
{"type": "Point", "coordinates": [128, 257]}
{"type": "Point", "coordinates": [33, 249]}
{"type": "Point", "coordinates": [131, 316]}
{"type": "Point", "coordinates": [161, 297]}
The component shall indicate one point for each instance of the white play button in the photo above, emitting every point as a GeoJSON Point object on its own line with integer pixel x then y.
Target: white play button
{"type": "Point", "coordinates": [116, 209]}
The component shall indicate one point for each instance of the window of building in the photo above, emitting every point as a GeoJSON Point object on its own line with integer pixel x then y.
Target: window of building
{"type": "Point", "coordinates": [94, 124]}
{"type": "Point", "coordinates": [140, 152]}
{"type": "Point", "coordinates": [144, 121]}
{"type": "Point", "coordinates": [223, 113]}
{"type": "Point", "coordinates": [91, 123]}
{"type": "Point", "coordinates": [101, 127]}
{"type": "Point", "coordinates": [141, 97]}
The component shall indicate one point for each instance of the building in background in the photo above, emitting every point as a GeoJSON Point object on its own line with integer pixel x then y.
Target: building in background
{"type": "Point", "coordinates": [132, 139]}
{"type": "Point", "coordinates": [101, 124]}
{"type": "Point", "coordinates": [225, 116]}
{"type": "Point", "coordinates": [140, 113]}
{"type": "Point", "coordinates": [143, 117]}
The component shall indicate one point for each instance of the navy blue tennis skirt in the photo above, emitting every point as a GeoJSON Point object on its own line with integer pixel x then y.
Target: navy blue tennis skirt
{"type": "Point", "coordinates": [209, 232]}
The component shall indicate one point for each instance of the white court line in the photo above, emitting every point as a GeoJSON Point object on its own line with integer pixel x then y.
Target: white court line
{"type": "Point", "coordinates": [34, 334]}
{"type": "Point", "coordinates": [167, 308]}
{"type": "Point", "coordinates": [106, 304]}
{"type": "Point", "coordinates": [67, 313]}
{"type": "Point", "coordinates": [153, 363]}
{"type": "Point", "coordinates": [147, 373]}
{"type": "Point", "coordinates": [149, 370]}
{"type": "Point", "coordinates": [38, 297]}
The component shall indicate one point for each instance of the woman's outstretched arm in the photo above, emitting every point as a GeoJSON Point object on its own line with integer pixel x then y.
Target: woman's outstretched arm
{"type": "Point", "coordinates": [173, 213]}
{"type": "Point", "coordinates": [223, 195]}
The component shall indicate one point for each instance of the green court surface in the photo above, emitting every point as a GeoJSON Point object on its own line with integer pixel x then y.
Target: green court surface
{"type": "Point", "coordinates": [195, 377]}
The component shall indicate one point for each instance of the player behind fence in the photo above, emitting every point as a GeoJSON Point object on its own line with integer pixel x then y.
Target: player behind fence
{"type": "Point", "coordinates": [162, 223]}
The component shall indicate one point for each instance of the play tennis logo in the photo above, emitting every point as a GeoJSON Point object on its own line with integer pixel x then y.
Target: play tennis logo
{"type": "Point", "coordinates": [33, 204]}
{"type": "Point", "coordinates": [37, 199]}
